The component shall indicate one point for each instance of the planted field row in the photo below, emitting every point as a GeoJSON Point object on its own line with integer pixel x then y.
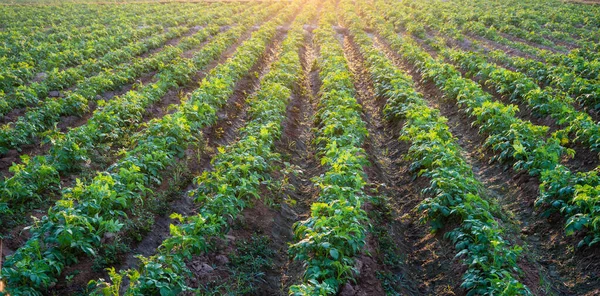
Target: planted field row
{"type": "Point", "coordinates": [117, 119]}
{"type": "Point", "coordinates": [452, 20]}
{"type": "Point", "coordinates": [38, 120]}
{"type": "Point", "coordinates": [515, 140]}
{"type": "Point", "coordinates": [352, 147]}
{"type": "Point", "coordinates": [454, 192]}
{"type": "Point", "coordinates": [74, 229]}
{"type": "Point", "coordinates": [56, 80]}
{"type": "Point", "coordinates": [37, 58]}
{"type": "Point", "coordinates": [334, 234]}
{"type": "Point", "coordinates": [238, 170]}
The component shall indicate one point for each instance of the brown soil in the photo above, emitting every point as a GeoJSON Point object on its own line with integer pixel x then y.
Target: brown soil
{"type": "Point", "coordinates": [533, 44]}
{"type": "Point", "coordinates": [550, 263]}
{"type": "Point", "coordinates": [295, 146]}
{"type": "Point", "coordinates": [230, 120]}
{"type": "Point", "coordinates": [275, 222]}
{"type": "Point", "coordinates": [260, 218]}
{"type": "Point", "coordinates": [429, 266]}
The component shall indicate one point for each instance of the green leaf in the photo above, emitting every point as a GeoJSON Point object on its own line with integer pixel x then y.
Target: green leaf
{"type": "Point", "coordinates": [334, 253]}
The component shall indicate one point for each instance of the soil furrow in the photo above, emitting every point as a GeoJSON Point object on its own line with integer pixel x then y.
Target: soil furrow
{"type": "Point", "coordinates": [585, 159]}
{"type": "Point", "coordinates": [197, 159]}
{"type": "Point", "coordinates": [426, 264]}
{"type": "Point", "coordinates": [551, 264]}
{"type": "Point", "coordinates": [264, 219]}
{"type": "Point", "coordinates": [257, 222]}
{"type": "Point", "coordinates": [74, 121]}
{"type": "Point", "coordinates": [295, 146]}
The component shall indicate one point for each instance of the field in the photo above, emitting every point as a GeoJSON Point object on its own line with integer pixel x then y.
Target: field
{"type": "Point", "coordinates": [320, 147]}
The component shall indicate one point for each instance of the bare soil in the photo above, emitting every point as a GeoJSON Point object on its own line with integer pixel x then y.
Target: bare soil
{"type": "Point", "coordinates": [231, 118]}
{"type": "Point", "coordinates": [551, 264]}
{"type": "Point", "coordinates": [428, 265]}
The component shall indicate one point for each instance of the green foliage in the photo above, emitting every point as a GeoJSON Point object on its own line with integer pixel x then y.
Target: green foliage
{"type": "Point", "coordinates": [453, 194]}
{"type": "Point", "coordinates": [525, 145]}
{"type": "Point", "coordinates": [238, 170]}
{"type": "Point", "coordinates": [335, 233]}
{"type": "Point", "coordinates": [77, 223]}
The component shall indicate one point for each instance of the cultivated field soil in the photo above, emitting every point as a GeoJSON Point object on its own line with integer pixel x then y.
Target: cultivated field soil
{"type": "Point", "coordinates": [320, 147]}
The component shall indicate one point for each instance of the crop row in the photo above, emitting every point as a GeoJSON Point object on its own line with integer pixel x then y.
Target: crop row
{"type": "Point", "coordinates": [75, 225]}
{"type": "Point", "coordinates": [528, 23]}
{"type": "Point", "coordinates": [48, 24]}
{"type": "Point", "coordinates": [520, 88]}
{"type": "Point", "coordinates": [31, 21]}
{"type": "Point", "coordinates": [34, 93]}
{"type": "Point", "coordinates": [35, 58]}
{"type": "Point", "coordinates": [238, 171]}
{"type": "Point", "coordinates": [562, 75]}
{"type": "Point", "coordinates": [515, 140]}
{"type": "Point", "coordinates": [454, 193]}
{"type": "Point", "coordinates": [444, 18]}
{"type": "Point", "coordinates": [38, 120]}
{"type": "Point", "coordinates": [113, 121]}
{"type": "Point", "coordinates": [52, 36]}
{"type": "Point", "coordinates": [335, 232]}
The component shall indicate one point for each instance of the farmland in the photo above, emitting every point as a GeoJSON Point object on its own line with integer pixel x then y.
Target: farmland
{"type": "Point", "coordinates": [320, 147]}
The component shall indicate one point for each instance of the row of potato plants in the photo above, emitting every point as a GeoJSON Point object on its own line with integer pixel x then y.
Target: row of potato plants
{"type": "Point", "coordinates": [559, 75]}
{"type": "Point", "coordinates": [52, 24]}
{"type": "Point", "coordinates": [557, 22]}
{"type": "Point", "coordinates": [334, 234]}
{"type": "Point", "coordinates": [75, 226]}
{"type": "Point", "coordinates": [423, 15]}
{"type": "Point", "coordinates": [562, 77]}
{"type": "Point", "coordinates": [574, 194]}
{"type": "Point", "coordinates": [581, 62]}
{"type": "Point", "coordinates": [543, 102]}
{"type": "Point", "coordinates": [58, 36]}
{"type": "Point", "coordinates": [56, 79]}
{"type": "Point", "coordinates": [517, 19]}
{"type": "Point", "coordinates": [52, 41]}
{"type": "Point", "coordinates": [36, 58]}
{"type": "Point", "coordinates": [238, 171]}
{"type": "Point", "coordinates": [445, 18]}
{"type": "Point", "coordinates": [454, 194]}
{"type": "Point", "coordinates": [112, 123]}
{"type": "Point", "coordinates": [515, 140]}
{"type": "Point", "coordinates": [23, 22]}
{"type": "Point", "coordinates": [585, 91]}
{"type": "Point", "coordinates": [38, 120]}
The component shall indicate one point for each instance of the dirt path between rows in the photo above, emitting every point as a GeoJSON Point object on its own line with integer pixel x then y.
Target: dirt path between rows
{"type": "Point", "coordinates": [426, 264]}
{"type": "Point", "coordinates": [230, 120]}
{"type": "Point", "coordinates": [551, 265]}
